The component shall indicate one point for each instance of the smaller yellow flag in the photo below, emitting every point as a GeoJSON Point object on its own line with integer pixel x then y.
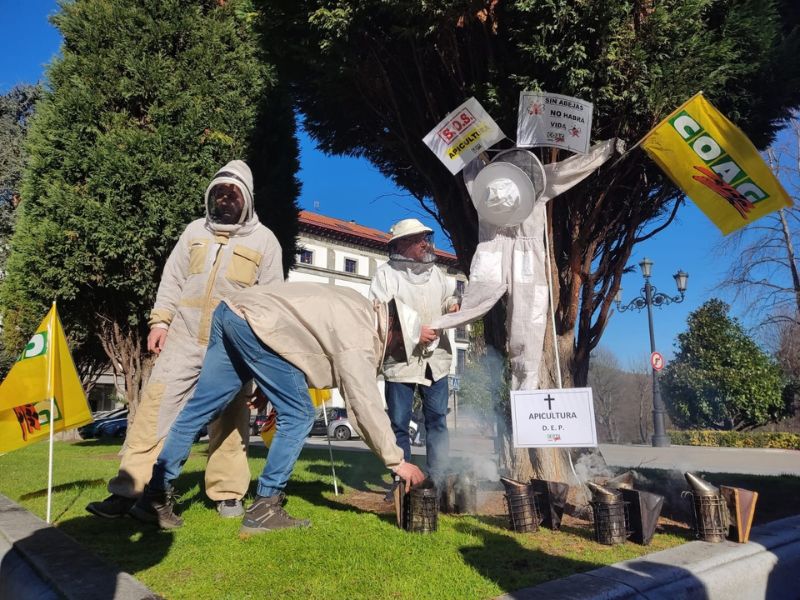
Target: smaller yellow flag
{"type": "Point", "coordinates": [715, 164]}
{"type": "Point", "coordinates": [268, 429]}
{"type": "Point", "coordinates": [44, 370]}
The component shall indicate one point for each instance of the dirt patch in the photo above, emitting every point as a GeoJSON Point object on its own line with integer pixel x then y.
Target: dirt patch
{"type": "Point", "coordinates": [114, 456]}
{"type": "Point", "coordinates": [368, 502]}
{"type": "Point", "coordinates": [491, 504]}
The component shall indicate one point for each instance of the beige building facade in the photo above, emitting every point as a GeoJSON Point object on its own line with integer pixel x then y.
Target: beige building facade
{"type": "Point", "coordinates": [345, 253]}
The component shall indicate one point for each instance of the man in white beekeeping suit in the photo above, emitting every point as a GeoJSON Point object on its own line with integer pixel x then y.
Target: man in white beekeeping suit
{"type": "Point", "coordinates": [224, 252]}
{"type": "Point", "coordinates": [510, 195]}
{"type": "Point", "coordinates": [423, 364]}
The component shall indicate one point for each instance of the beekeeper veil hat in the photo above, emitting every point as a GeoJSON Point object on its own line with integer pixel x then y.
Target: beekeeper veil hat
{"type": "Point", "coordinates": [504, 191]}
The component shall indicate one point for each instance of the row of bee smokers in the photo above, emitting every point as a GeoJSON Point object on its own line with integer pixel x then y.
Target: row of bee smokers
{"type": "Point", "coordinates": [619, 512]}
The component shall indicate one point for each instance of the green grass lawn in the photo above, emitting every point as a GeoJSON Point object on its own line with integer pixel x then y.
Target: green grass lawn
{"type": "Point", "coordinates": [347, 553]}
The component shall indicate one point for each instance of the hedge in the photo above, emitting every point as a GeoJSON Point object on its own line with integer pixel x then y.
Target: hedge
{"type": "Point", "coordinates": [736, 439]}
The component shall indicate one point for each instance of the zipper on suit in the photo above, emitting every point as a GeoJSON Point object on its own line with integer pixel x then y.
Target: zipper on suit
{"type": "Point", "coordinates": [205, 317]}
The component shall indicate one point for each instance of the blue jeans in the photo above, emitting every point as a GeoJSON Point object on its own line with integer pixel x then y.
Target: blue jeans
{"type": "Point", "coordinates": [399, 398]}
{"type": "Point", "coordinates": [236, 355]}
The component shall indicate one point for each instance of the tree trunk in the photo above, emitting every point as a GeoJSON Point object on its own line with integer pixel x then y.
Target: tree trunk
{"type": "Point", "coordinates": [792, 262]}
{"type": "Point", "coordinates": [644, 389]}
{"type": "Point", "coordinates": [552, 464]}
{"type": "Point", "coordinates": [124, 349]}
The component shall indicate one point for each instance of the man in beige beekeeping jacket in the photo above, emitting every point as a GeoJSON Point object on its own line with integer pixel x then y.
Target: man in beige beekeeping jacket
{"type": "Point", "coordinates": [225, 252]}
{"type": "Point", "coordinates": [423, 364]}
{"type": "Point", "coordinates": [287, 337]}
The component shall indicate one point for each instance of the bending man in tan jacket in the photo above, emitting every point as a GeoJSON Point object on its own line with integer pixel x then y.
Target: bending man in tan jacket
{"type": "Point", "coordinates": [288, 337]}
{"type": "Point", "coordinates": [227, 251]}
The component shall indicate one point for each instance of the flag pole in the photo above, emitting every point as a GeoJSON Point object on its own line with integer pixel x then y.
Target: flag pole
{"type": "Point", "coordinates": [50, 392]}
{"type": "Point", "coordinates": [330, 448]}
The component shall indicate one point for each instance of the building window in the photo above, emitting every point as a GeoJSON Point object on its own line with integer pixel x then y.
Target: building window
{"type": "Point", "coordinates": [461, 361]}
{"type": "Point", "coordinates": [461, 333]}
{"type": "Point", "coordinates": [350, 265]}
{"type": "Point", "coordinates": [459, 288]}
{"type": "Point", "coordinates": [307, 257]}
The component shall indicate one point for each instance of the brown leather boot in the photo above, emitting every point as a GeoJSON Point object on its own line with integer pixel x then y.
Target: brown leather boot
{"type": "Point", "coordinates": [267, 514]}
{"type": "Point", "coordinates": [157, 506]}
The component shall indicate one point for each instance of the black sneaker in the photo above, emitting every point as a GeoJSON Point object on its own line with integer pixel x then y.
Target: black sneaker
{"type": "Point", "coordinates": [157, 506]}
{"type": "Point", "coordinates": [112, 507]}
{"type": "Point", "coordinates": [267, 514]}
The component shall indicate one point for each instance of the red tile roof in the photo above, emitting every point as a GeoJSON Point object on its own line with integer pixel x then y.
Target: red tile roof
{"type": "Point", "coordinates": [350, 231]}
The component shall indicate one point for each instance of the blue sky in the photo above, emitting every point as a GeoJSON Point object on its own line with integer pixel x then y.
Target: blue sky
{"type": "Point", "coordinates": [352, 189]}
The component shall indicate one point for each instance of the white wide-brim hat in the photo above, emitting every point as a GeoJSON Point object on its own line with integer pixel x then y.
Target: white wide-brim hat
{"type": "Point", "coordinates": [503, 193]}
{"type": "Point", "coordinates": [408, 227]}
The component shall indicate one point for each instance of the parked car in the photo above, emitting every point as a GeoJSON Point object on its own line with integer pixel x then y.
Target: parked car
{"type": "Point", "coordinates": [114, 424]}
{"type": "Point", "coordinates": [338, 428]}
{"type": "Point", "coordinates": [113, 427]}
{"type": "Point", "coordinates": [91, 430]}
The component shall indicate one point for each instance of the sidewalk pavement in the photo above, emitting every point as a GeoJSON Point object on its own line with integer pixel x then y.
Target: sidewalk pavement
{"type": "Point", "coordinates": [766, 568]}
{"type": "Point", "coordinates": [755, 461]}
{"type": "Point", "coordinates": [39, 561]}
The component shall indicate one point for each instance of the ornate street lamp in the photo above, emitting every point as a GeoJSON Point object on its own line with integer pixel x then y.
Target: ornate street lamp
{"type": "Point", "coordinates": [652, 297]}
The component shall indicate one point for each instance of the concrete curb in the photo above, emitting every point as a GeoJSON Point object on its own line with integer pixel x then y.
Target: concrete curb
{"type": "Point", "coordinates": [39, 561]}
{"type": "Point", "coordinates": [766, 567]}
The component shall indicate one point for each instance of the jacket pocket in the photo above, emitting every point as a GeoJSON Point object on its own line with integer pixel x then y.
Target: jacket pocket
{"type": "Point", "coordinates": [198, 253]}
{"type": "Point", "coordinates": [244, 265]}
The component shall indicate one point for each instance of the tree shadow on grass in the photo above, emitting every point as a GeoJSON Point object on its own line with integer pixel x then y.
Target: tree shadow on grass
{"type": "Point", "coordinates": [95, 442]}
{"type": "Point", "coordinates": [365, 473]}
{"type": "Point", "coordinates": [502, 559]}
{"type": "Point", "coordinates": [132, 545]}
{"type": "Point", "coordinates": [81, 483]}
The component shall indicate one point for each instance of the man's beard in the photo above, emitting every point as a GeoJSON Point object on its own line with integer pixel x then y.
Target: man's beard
{"type": "Point", "coordinates": [427, 259]}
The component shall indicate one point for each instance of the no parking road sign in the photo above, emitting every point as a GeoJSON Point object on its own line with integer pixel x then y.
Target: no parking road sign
{"type": "Point", "coordinates": [656, 361]}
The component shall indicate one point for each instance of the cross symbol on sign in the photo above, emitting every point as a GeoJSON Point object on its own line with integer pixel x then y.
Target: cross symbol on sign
{"type": "Point", "coordinates": [549, 401]}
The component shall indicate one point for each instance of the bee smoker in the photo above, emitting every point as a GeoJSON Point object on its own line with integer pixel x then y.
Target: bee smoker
{"type": "Point", "coordinates": [418, 510]}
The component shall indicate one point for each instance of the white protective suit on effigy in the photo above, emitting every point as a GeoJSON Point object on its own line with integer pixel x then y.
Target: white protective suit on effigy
{"type": "Point", "coordinates": [511, 259]}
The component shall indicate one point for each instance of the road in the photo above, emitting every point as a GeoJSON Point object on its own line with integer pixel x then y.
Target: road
{"type": "Point", "coordinates": [754, 461]}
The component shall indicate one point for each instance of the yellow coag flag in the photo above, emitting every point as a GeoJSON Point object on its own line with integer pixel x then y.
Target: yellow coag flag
{"type": "Point", "coordinates": [715, 164]}
{"type": "Point", "coordinates": [268, 429]}
{"type": "Point", "coordinates": [44, 370]}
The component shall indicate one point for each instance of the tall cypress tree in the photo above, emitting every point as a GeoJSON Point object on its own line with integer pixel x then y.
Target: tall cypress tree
{"type": "Point", "coordinates": [148, 99]}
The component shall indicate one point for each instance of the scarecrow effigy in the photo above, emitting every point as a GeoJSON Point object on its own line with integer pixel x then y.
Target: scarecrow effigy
{"type": "Point", "coordinates": [510, 194]}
